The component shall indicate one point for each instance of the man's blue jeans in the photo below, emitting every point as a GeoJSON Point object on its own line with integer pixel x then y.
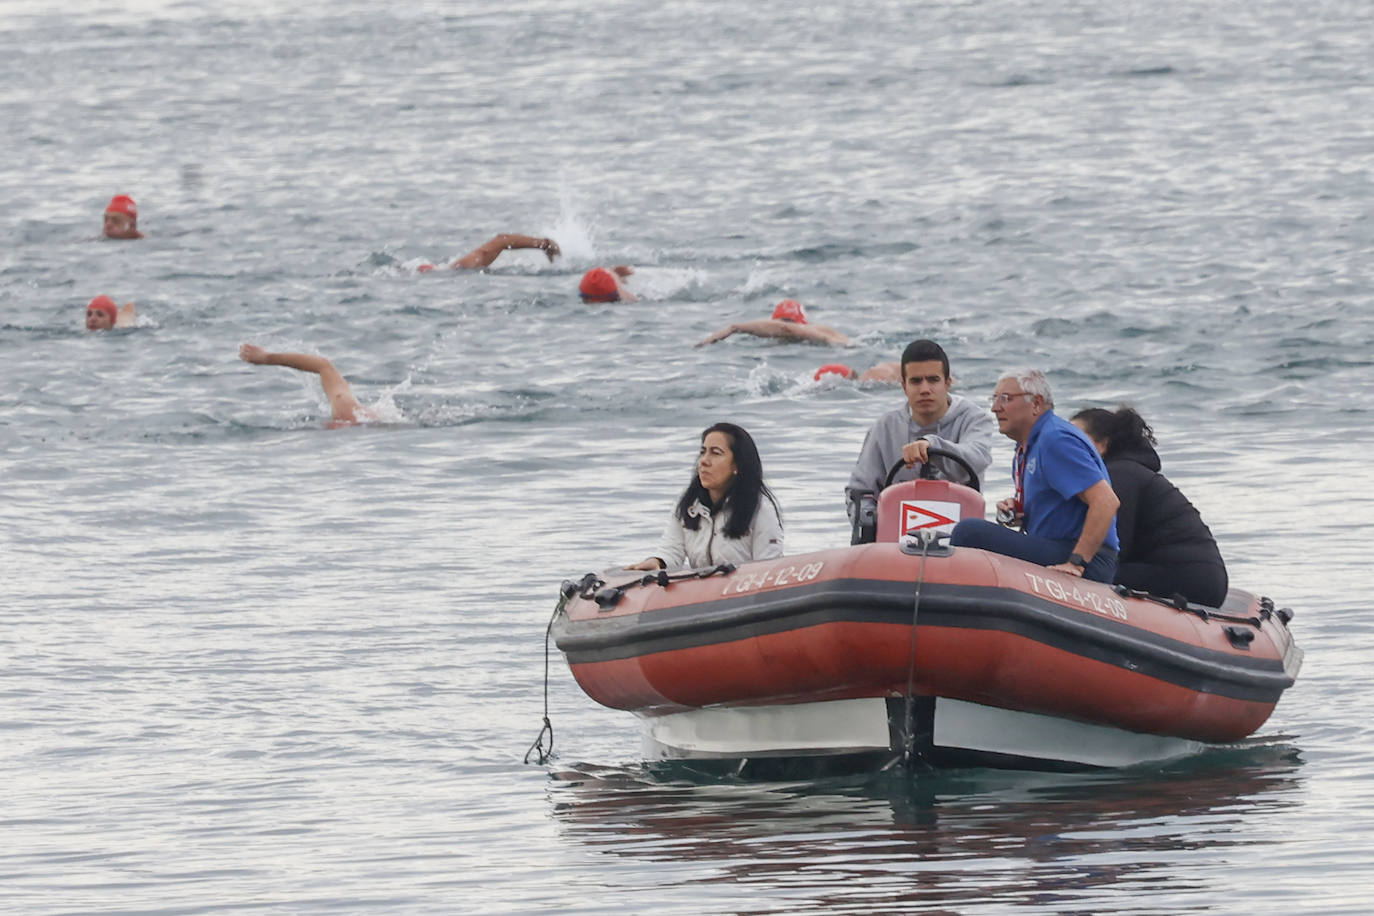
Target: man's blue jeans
{"type": "Point", "coordinates": [978, 532]}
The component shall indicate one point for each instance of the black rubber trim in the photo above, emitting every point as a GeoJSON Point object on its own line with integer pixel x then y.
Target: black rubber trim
{"type": "Point", "coordinates": [1007, 610]}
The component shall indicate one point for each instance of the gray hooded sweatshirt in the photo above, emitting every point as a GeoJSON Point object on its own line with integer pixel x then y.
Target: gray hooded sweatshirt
{"type": "Point", "coordinates": [965, 429]}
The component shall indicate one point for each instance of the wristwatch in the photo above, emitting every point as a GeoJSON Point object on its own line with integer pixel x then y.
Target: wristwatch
{"type": "Point", "coordinates": [1076, 559]}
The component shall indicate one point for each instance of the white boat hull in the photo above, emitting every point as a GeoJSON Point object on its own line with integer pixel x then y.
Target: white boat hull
{"type": "Point", "coordinates": [949, 729]}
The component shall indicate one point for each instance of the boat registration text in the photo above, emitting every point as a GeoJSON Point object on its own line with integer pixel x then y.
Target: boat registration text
{"type": "Point", "coordinates": [778, 575]}
{"type": "Point", "coordinates": [1107, 605]}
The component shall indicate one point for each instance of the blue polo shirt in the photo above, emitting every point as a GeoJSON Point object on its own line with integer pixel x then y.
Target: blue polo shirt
{"type": "Point", "coordinates": [1061, 462]}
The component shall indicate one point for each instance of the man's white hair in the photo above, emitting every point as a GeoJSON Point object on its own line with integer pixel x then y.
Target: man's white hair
{"type": "Point", "coordinates": [1031, 381]}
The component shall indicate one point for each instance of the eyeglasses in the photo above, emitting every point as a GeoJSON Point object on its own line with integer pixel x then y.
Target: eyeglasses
{"type": "Point", "coordinates": [1006, 398]}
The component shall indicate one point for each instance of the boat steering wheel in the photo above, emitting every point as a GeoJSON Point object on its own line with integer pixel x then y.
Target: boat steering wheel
{"type": "Point", "coordinates": [928, 470]}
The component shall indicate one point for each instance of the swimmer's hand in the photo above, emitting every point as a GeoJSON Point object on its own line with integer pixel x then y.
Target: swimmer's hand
{"type": "Point", "coordinates": [250, 353]}
{"type": "Point", "coordinates": [127, 316]}
{"type": "Point", "coordinates": [717, 336]}
{"type": "Point", "coordinates": [550, 248]}
{"type": "Point", "coordinates": [622, 270]}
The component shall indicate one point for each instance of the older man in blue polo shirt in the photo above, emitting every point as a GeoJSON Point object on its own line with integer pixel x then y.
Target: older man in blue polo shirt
{"type": "Point", "coordinates": [1063, 495]}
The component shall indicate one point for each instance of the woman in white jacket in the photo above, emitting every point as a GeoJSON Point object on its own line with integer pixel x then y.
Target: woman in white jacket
{"type": "Point", "coordinates": [727, 514]}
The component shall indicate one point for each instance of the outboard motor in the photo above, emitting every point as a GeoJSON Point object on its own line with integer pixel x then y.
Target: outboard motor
{"type": "Point", "coordinates": [865, 519]}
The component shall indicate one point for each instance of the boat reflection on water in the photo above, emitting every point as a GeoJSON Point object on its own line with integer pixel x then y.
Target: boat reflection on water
{"type": "Point", "coordinates": [946, 838]}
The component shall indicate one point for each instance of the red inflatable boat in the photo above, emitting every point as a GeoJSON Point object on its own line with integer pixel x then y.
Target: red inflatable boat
{"type": "Point", "coordinates": [908, 648]}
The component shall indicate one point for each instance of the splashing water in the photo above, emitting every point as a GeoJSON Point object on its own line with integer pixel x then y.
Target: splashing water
{"type": "Point", "coordinates": [384, 410]}
{"type": "Point", "coordinates": [574, 236]}
{"type": "Point", "coordinates": [665, 282]}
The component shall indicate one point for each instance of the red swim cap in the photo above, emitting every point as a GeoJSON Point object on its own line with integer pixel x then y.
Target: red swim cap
{"type": "Point", "coordinates": [107, 304]}
{"type": "Point", "coordinates": [123, 203]}
{"type": "Point", "coordinates": [839, 369]}
{"type": "Point", "coordinates": [599, 285]}
{"type": "Point", "coordinates": [789, 310]}
{"type": "Point", "coordinates": [425, 268]}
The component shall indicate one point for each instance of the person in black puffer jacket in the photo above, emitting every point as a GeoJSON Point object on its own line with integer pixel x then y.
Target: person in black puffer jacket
{"type": "Point", "coordinates": [1166, 549]}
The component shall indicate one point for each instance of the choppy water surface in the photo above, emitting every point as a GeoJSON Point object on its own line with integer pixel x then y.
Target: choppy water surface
{"type": "Point", "coordinates": [250, 663]}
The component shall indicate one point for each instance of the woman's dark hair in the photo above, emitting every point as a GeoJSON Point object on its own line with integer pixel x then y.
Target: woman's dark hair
{"type": "Point", "coordinates": [742, 499]}
{"type": "Point", "coordinates": [1121, 429]}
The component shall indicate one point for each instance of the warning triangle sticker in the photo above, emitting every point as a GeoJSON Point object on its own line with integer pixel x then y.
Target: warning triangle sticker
{"type": "Point", "coordinates": [915, 517]}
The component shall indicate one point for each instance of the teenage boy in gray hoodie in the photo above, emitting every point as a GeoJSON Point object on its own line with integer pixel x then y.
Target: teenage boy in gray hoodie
{"type": "Point", "coordinates": [931, 418]}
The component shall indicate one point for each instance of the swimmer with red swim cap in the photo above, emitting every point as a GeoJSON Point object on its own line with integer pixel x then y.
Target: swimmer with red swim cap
{"type": "Point", "coordinates": [788, 323]}
{"type": "Point", "coordinates": [602, 284]}
{"type": "Point", "coordinates": [887, 373]}
{"type": "Point", "coordinates": [344, 409]}
{"type": "Point", "coordinates": [839, 369]}
{"type": "Point", "coordinates": [121, 218]}
{"type": "Point", "coordinates": [102, 314]}
{"type": "Point", "coordinates": [483, 255]}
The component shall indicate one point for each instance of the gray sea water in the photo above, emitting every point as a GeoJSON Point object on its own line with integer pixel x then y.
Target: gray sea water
{"type": "Point", "coordinates": [251, 664]}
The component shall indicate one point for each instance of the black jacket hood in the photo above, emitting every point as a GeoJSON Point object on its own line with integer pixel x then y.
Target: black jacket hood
{"type": "Point", "coordinates": [1140, 454]}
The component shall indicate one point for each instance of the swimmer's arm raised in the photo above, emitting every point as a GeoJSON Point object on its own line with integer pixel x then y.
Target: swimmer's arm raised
{"type": "Point", "coordinates": [763, 327]}
{"type": "Point", "coordinates": [305, 362]}
{"type": "Point", "coordinates": [484, 254]}
{"type": "Point", "coordinates": [341, 401]}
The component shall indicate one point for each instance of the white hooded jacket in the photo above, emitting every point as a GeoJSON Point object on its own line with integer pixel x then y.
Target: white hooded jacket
{"type": "Point", "coordinates": [681, 547]}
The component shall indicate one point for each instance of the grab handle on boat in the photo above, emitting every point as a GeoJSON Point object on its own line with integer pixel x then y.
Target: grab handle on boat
{"type": "Point", "coordinates": [924, 542]}
{"type": "Point", "coordinates": [921, 538]}
{"type": "Point", "coordinates": [1180, 603]}
{"type": "Point", "coordinates": [583, 588]}
{"type": "Point", "coordinates": [1239, 637]}
{"type": "Point", "coordinates": [608, 597]}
